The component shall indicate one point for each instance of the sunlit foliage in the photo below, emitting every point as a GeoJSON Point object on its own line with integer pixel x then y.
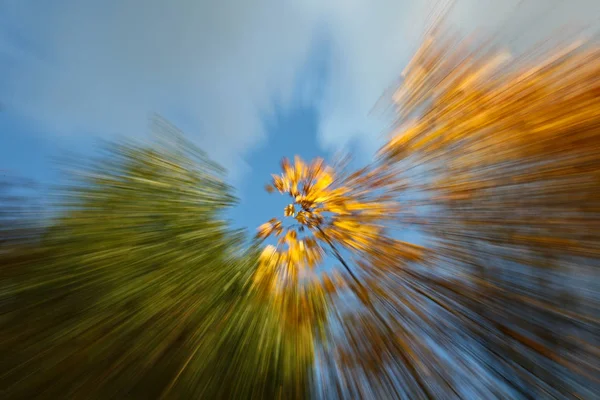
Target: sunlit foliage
{"type": "Point", "coordinates": [333, 211]}
{"type": "Point", "coordinates": [510, 147]}
{"type": "Point", "coordinates": [138, 289]}
{"type": "Point", "coordinates": [501, 157]}
{"type": "Point", "coordinates": [352, 217]}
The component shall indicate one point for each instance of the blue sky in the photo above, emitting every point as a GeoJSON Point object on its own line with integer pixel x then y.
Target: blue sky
{"type": "Point", "coordinates": [250, 82]}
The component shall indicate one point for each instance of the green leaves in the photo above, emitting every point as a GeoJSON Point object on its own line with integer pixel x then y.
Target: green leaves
{"type": "Point", "coordinates": [139, 288]}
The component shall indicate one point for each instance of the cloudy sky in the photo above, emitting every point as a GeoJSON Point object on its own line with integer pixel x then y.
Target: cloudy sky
{"type": "Point", "coordinates": [250, 81]}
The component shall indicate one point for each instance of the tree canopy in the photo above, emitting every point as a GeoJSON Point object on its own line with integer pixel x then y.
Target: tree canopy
{"type": "Point", "coordinates": [138, 288]}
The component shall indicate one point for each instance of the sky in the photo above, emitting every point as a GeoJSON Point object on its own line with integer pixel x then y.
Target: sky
{"type": "Point", "coordinates": [249, 81]}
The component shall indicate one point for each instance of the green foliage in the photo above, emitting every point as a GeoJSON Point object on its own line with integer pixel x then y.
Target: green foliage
{"type": "Point", "coordinates": [138, 290]}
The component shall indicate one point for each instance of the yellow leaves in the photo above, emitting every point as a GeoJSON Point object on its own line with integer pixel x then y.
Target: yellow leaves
{"type": "Point", "coordinates": [268, 252]}
{"type": "Point", "coordinates": [302, 253]}
{"type": "Point", "coordinates": [509, 171]}
{"type": "Point", "coordinates": [488, 67]}
{"type": "Point", "coordinates": [291, 235]}
{"type": "Point", "coordinates": [300, 169]}
{"type": "Point", "coordinates": [332, 210]}
{"type": "Point", "coordinates": [288, 170]}
{"type": "Point", "coordinates": [511, 139]}
{"type": "Point", "coordinates": [266, 229]}
{"type": "Point", "coordinates": [314, 168]}
{"type": "Point", "coordinates": [313, 253]}
{"type": "Point", "coordinates": [353, 234]}
{"type": "Point", "coordinates": [302, 217]}
{"type": "Point", "coordinates": [278, 183]}
{"type": "Point", "coordinates": [346, 225]}
{"type": "Point", "coordinates": [280, 268]}
{"type": "Point", "coordinates": [292, 177]}
{"type": "Point", "coordinates": [323, 180]}
{"type": "Point", "coordinates": [266, 273]}
{"type": "Point", "coordinates": [294, 252]}
{"type": "Point", "coordinates": [335, 208]}
{"type": "Point", "coordinates": [289, 211]}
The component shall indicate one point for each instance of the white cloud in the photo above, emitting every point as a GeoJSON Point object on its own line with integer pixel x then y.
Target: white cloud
{"type": "Point", "coordinates": [375, 39]}
{"type": "Point", "coordinates": [218, 67]}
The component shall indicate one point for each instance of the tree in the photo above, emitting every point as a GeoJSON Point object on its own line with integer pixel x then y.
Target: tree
{"type": "Point", "coordinates": [138, 290]}
{"type": "Point", "coordinates": [351, 216]}
{"type": "Point", "coordinates": [513, 144]}
{"type": "Point", "coordinates": [501, 158]}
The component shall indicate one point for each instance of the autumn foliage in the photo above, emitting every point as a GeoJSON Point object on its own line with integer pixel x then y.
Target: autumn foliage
{"type": "Point", "coordinates": [138, 288]}
{"type": "Point", "coordinates": [333, 212]}
{"type": "Point", "coordinates": [502, 155]}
